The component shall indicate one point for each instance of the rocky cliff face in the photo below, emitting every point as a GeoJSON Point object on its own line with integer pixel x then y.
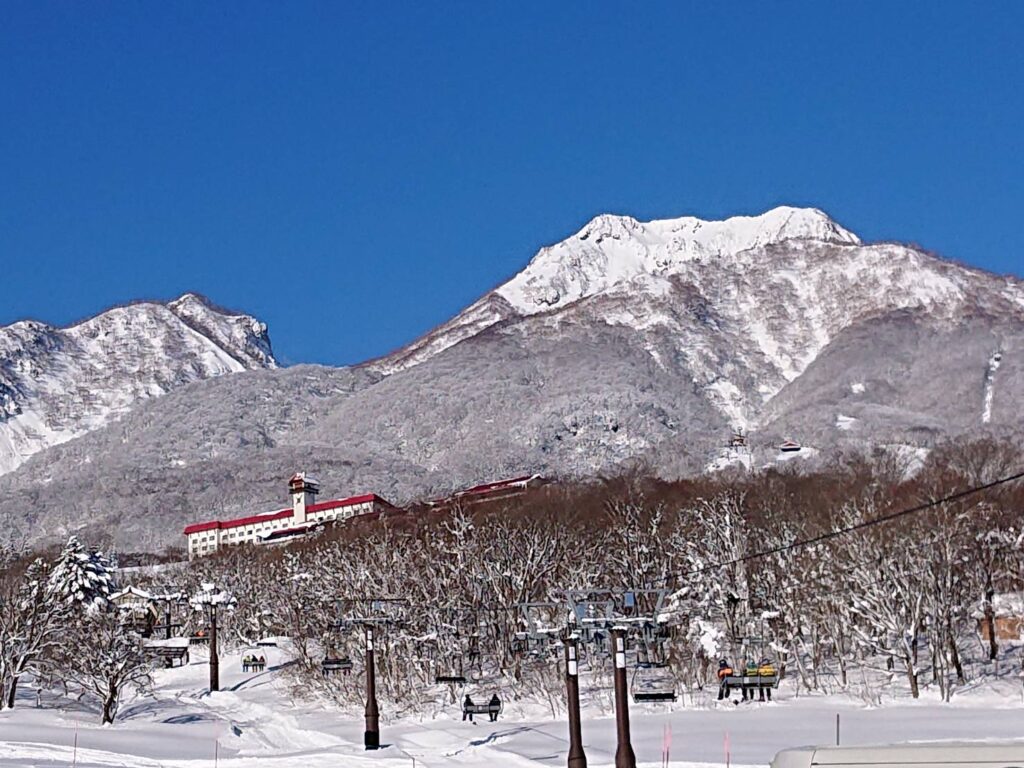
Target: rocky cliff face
{"type": "Point", "coordinates": [628, 342]}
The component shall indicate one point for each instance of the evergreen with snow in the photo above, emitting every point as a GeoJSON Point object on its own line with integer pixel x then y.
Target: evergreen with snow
{"type": "Point", "coordinates": [81, 578]}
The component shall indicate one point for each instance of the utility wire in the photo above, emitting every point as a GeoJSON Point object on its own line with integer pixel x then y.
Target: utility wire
{"type": "Point", "coordinates": [856, 526]}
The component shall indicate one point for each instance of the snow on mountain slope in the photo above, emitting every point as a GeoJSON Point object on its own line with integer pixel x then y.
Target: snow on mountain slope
{"type": "Point", "coordinates": [611, 250]}
{"type": "Point", "coordinates": [663, 338]}
{"type": "Point", "coordinates": [750, 301]}
{"type": "Point", "coordinates": [58, 383]}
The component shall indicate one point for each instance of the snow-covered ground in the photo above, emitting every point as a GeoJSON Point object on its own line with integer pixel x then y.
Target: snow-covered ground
{"type": "Point", "coordinates": [252, 721]}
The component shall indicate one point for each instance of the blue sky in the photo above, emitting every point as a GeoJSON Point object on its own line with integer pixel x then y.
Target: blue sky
{"type": "Point", "coordinates": [355, 174]}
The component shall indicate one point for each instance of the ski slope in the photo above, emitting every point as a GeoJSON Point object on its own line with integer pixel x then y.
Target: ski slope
{"type": "Point", "coordinates": [251, 722]}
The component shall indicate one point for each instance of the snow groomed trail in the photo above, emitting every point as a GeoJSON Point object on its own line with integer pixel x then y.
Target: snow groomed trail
{"type": "Point", "coordinates": [251, 722]}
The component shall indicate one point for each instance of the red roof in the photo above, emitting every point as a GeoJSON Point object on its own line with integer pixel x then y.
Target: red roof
{"type": "Point", "coordinates": [495, 486]}
{"type": "Point", "coordinates": [484, 489]}
{"type": "Point", "coordinates": [200, 527]}
{"type": "Point", "coordinates": [268, 516]}
{"type": "Point", "coordinates": [350, 501]}
{"type": "Point", "coordinates": [238, 521]}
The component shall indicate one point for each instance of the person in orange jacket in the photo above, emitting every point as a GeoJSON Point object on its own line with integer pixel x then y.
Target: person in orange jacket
{"type": "Point", "coordinates": [724, 672]}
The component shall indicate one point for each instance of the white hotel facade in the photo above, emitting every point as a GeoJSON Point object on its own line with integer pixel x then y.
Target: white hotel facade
{"type": "Point", "coordinates": [304, 515]}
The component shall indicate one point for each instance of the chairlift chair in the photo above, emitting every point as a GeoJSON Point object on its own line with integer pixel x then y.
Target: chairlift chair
{"type": "Point", "coordinates": [488, 707]}
{"type": "Point", "coordinates": [332, 665]}
{"type": "Point", "coordinates": [519, 644]}
{"type": "Point", "coordinates": [453, 675]}
{"type": "Point", "coordinates": [251, 660]}
{"type": "Point", "coordinates": [653, 682]}
{"type": "Point", "coordinates": [201, 637]}
{"type": "Point", "coordinates": [333, 662]}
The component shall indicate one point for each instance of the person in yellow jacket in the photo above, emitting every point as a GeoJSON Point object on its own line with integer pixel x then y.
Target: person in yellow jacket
{"type": "Point", "coordinates": [765, 669]}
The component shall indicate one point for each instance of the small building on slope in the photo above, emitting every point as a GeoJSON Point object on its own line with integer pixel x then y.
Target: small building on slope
{"type": "Point", "coordinates": [494, 491]}
{"type": "Point", "coordinates": [304, 515]}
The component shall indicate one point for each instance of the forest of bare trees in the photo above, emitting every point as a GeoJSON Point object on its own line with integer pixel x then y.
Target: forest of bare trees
{"type": "Point", "coordinates": [892, 604]}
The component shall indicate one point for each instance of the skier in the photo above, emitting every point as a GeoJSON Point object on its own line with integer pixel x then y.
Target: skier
{"type": "Point", "coordinates": [467, 709]}
{"type": "Point", "coordinates": [494, 707]}
{"type": "Point", "coordinates": [766, 669]}
{"type": "Point", "coordinates": [724, 671]}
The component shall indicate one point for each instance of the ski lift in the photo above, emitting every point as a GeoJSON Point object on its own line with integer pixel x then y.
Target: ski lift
{"type": "Point", "coordinates": [333, 662]}
{"type": "Point", "coordinates": [454, 674]}
{"type": "Point", "coordinates": [201, 637]}
{"type": "Point", "coordinates": [332, 665]}
{"type": "Point", "coordinates": [253, 660]}
{"type": "Point", "coordinates": [653, 682]}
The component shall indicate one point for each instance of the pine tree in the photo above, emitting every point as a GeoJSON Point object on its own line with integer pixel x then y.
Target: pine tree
{"type": "Point", "coordinates": [81, 578]}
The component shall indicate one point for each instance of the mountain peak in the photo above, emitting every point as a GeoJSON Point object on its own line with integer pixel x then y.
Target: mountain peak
{"type": "Point", "coordinates": [611, 249]}
{"type": "Point", "coordinates": [789, 223]}
{"type": "Point", "coordinates": [58, 383]}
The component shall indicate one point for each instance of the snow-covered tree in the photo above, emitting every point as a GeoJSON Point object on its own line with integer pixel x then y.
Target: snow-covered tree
{"type": "Point", "coordinates": [81, 577]}
{"type": "Point", "coordinates": [106, 660]}
{"type": "Point", "coordinates": [32, 625]}
{"type": "Point", "coordinates": [889, 583]}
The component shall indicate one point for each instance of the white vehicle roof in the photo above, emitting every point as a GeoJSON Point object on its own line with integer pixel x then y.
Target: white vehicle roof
{"type": "Point", "coordinates": [935, 755]}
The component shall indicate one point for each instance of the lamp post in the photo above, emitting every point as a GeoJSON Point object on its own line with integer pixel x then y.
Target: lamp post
{"type": "Point", "coordinates": [209, 599]}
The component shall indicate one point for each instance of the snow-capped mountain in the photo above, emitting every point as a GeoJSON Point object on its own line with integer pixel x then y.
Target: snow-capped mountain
{"type": "Point", "coordinates": [627, 342]}
{"type": "Point", "coordinates": [59, 383]}
{"type": "Point", "coordinates": [747, 303]}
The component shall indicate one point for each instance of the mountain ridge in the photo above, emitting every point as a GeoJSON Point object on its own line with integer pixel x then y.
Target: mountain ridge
{"type": "Point", "coordinates": [57, 382]}
{"type": "Point", "coordinates": [840, 344]}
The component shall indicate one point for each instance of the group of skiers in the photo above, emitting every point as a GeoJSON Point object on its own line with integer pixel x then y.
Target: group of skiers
{"type": "Point", "coordinates": [493, 708]}
{"type": "Point", "coordinates": [751, 669]}
{"type": "Point", "coordinates": [253, 663]}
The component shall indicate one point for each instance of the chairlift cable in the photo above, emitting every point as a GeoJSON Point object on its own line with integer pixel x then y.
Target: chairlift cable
{"type": "Point", "coordinates": [827, 536]}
